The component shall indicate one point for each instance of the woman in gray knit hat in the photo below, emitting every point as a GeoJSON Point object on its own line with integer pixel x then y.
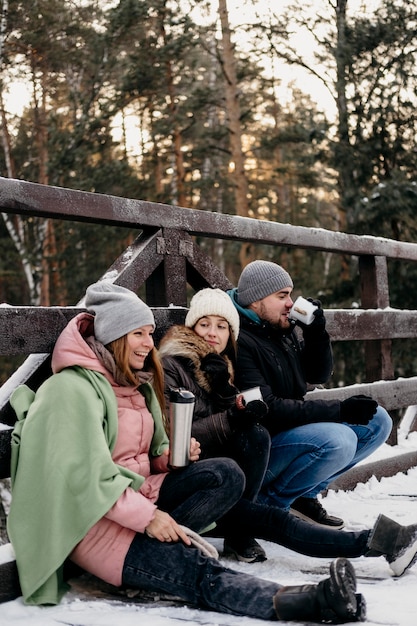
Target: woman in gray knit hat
{"type": "Point", "coordinates": [90, 471]}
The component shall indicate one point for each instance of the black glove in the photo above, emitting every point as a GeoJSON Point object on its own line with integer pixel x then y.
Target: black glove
{"type": "Point", "coordinates": [223, 402]}
{"type": "Point", "coordinates": [215, 367]}
{"type": "Point", "coordinates": [217, 373]}
{"type": "Point", "coordinates": [318, 324]}
{"type": "Point", "coordinates": [253, 413]}
{"type": "Point", "coordinates": [358, 409]}
{"type": "Point", "coordinates": [255, 410]}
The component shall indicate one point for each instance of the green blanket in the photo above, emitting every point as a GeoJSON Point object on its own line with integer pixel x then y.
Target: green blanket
{"type": "Point", "coordinates": [63, 477]}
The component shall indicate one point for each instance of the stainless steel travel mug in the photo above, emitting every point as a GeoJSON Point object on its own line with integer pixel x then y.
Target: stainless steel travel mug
{"type": "Point", "coordinates": [181, 409]}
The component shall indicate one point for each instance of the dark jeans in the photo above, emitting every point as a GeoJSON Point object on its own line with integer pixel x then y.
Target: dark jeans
{"type": "Point", "coordinates": [279, 526]}
{"type": "Point", "coordinates": [201, 493]}
{"type": "Point", "coordinates": [204, 492]}
{"type": "Point", "coordinates": [186, 573]}
{"type": "Point", "coordinates": [196, 496]}
{"type": "Point", "coordinates": [250, 448]}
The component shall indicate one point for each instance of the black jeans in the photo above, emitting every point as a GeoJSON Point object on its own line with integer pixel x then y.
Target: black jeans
{"type": "Point", "coordinates": [202, 492]}
{"type": "Point", "coordinates": [196, 496]}
{"type": "Point", "coordinates": [185, 572]}
{"type": "Point", "coordinates": [250, 448]}
{"type": "Point", "coordinates": [280, 526]}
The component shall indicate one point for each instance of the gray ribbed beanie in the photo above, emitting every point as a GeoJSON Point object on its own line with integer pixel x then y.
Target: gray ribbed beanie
{"type": "Point", "coordinates": [259, 279]}
{"type": "Point", "coordinates": [117, 310]}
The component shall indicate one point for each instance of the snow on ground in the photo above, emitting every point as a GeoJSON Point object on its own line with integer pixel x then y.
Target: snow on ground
{"type": "Point", "coordinates": [390, 601]}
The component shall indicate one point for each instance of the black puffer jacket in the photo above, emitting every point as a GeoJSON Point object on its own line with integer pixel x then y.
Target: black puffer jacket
{"type": "Point", "coordinates": [181, 351]}
{"type": "Point", "coordinates": [281, 366]}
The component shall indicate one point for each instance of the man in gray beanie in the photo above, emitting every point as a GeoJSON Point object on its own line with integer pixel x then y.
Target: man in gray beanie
{"type": "Point", "coordinates": [313, 441]}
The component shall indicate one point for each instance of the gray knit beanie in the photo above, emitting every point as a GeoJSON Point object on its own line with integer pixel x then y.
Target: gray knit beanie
{"type": "Point", "coordinates": [259, 279]}
{"type": "Point", "coordinates": [117, 310]}
{"type": "Point", "coordinates": [213, 302]}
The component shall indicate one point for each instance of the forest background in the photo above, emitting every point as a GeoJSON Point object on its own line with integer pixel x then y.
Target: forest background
{"type": "Point", "coordinates": [188, 103]}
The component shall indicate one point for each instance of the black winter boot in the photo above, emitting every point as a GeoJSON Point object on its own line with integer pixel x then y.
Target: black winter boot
{"type": "Point", "coordinates": [332, 601]}
{"type": "Point", "coordinates": [9, 582]}
{"type": "Point", "coordinates": [245, 549]}
{"type": "Point", "coordinates": [397, 543]}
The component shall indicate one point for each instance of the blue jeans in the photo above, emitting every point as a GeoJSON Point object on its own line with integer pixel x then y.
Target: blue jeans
{"type": "Point", "coordinates": [304, 460]}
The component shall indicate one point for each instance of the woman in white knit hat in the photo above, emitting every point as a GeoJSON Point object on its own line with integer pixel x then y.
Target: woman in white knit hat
{"type": "Point", "coordinates": [200, 356]}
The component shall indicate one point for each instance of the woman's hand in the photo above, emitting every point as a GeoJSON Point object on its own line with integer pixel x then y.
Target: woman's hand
{"type": "Point", "coordinates": [164, 528]}
{"type": "Point", "coordinates": [195, 449]}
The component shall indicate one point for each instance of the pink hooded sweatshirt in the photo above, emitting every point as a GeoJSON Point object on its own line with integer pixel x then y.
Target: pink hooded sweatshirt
{"type": "Point", "coordinates": [103, 550]}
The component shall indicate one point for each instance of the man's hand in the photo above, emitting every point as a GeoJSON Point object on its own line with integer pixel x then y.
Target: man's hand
{"type": "Point", "coordinates": [358, 410]}
{"type": "Point", "coordinates": [318, 324]}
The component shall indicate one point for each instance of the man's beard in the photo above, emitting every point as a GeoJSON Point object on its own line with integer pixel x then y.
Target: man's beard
{"type": "Point", "coordinates": [283, 327]}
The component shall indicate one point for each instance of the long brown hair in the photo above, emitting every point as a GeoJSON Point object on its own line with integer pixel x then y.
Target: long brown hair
{"type": "Point", "coordinates": [231, 348]}
{"type": "Point", "coordinates": [120, 351]}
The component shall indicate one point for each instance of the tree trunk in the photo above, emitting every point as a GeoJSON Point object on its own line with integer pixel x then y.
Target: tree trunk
{"type": "Point", "coordinates": [235, 132]}
{"type": "Point", "coordinates": [344, 158]}
{"type": "Point", "coordinates": [178, 195]}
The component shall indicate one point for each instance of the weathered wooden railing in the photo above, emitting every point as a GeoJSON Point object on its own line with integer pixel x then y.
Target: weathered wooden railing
{"type": "Point", "coordinates": [166, 260]}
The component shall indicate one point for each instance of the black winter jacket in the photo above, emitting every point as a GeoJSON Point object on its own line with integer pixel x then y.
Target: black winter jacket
{"type": "Point", "coordinates": [282, 365]}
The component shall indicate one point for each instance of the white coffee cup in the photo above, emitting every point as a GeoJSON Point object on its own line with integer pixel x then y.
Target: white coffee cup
{"type": "Point", "coordinates": [302, 310]}
{"type": "Point", "coordinates": [251, 394]}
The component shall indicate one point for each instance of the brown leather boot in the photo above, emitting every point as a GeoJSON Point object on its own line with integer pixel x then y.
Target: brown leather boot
{"type": "Point", "coordinates": [333, 600]}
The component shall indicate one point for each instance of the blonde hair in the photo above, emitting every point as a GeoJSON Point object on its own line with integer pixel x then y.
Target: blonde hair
{"type": "Point", "coordinates": [120, 351]}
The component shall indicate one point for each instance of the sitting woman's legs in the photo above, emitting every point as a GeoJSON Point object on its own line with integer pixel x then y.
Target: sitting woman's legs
{"type": "Point", "coordinates": [279, 526]}
{"type": "Point", "coordinates": [201, 493]}
{"type": "Point", "coordinates": [185, 572]}
{"type": "Point", "coordinates": [250, 448]}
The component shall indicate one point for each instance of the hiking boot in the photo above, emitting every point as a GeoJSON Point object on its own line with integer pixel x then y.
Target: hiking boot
{"type": "Point", "coordinates": [245, 549]}
{"type": "Point", "coordinates": [332, 601]}
{"type": "Point", "coordinates": [311, 510]}
{"type": "Point", "coordinates": [397, 543]}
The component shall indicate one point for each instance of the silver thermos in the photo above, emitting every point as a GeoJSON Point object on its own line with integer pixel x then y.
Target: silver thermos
{"type": "Point", "coordinates": [181, 409]}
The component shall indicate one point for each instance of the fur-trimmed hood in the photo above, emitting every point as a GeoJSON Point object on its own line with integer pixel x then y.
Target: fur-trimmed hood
{"type": "Point", "coordinates": [181, 341]}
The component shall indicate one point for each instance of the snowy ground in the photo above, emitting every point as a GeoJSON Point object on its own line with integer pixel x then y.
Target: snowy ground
{"type": "Point", "coordinates": [390, 601]}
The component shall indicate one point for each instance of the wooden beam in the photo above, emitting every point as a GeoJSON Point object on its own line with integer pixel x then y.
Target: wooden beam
{"type": "Point", "coordinates": [32, 199]}
{"type": "Point", "coordinates": [27, 329]}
